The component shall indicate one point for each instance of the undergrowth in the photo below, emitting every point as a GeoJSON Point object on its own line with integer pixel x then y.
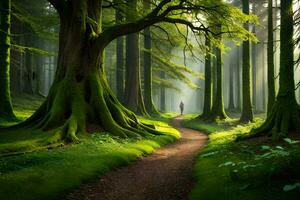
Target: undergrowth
{"type": "Point", "coordinates": [51, 173]}
{"type": "Point", "coordinates": [251, 169]}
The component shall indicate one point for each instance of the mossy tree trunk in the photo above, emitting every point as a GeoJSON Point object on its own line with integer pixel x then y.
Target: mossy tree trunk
{"type": "Point", "coordinates": [208, 81]}
{"type": "Point", "coordinates": [247, 110]}
{"type": "Point", "coordinates": [148, 98]}
{"type": "Point", "coordinates": [6, 109]}
{"type": "Point", "coordinates": [149, 105]}
{"type": "Point", "coordinates": [218, 110]}
{"type": "Point", "coordinates": [284, 115]}
{"type": "Point", "coordinates": [90, 103]}
{"type": "Point", "coordinates": [271, 66]}
{"type": "Point", "coordinates": [134, 98]}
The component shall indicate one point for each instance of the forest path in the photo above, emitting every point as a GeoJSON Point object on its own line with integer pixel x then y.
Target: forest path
{"type": "Point", "coordinates": [164, 175]}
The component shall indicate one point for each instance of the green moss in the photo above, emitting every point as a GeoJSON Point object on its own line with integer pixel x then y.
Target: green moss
{"type": "Point", "coordinates": [241, 170]}
{"type": "Point", "coordinates": [50, 173]}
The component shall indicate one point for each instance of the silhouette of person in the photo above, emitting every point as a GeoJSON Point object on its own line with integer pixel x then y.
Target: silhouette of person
{"type": "Point", "coordinates": [181, 106]}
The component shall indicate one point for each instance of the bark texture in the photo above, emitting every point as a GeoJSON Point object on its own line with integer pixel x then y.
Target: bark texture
{"type": "Point", "coordinates": [208, 81]}
{"type": "Point", "coordinates": [6, 109]}
{"type": "Point", "coordinates": [247, 110]}
{"type": "Point", "coordinates": [271, 66]}
{"type": "Point", "coordinates": [90, 105]}
{"type": "Point", "coordinates": [284, 114]}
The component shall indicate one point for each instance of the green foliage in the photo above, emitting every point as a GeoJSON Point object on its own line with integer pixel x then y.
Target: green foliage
{"type": "Point", "coordinates": [50, 173]}
{"type": "Point", "coordinates": [253, 169]}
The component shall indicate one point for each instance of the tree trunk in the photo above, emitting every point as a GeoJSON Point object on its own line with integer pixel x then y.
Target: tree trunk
{"type": "Point", "coordinates": [218, 111]}
{"type": "Point", "coordinates": [284, 115]}
{"type": "Point", "coordinates": [134, 99]}
{"type": "Point", "coordinates": [254, 66]}
{"type": "Point", "coordinates": [6, 110]}
{"type": "Point", "coordinates": [120, 62]}
{"type": "Point", "coordinates": [208, 81]}
{"type": "Point", "coordinates": [271, 66]}
{"type": "Point", "coordinates": [149, 105]}
{"type": "Point", "coordinates": [247, 112]}
{"type": "Point", "coordinates": [238, 81]}
{"type": "Point", "coordinates": [231, 106]}
{"type": "Point", "coordinates": [162, 94]}
{"type": "Point", "coordinates": [90, 104]}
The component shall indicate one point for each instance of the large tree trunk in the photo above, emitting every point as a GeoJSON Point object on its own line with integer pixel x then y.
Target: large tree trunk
{"type": "Point", "coordinates": [284, 115]}
{"type": "Point", "coordinates": [149, 105]}
{"type": "Point", "coordinates": [208, 81]}
{"type": "Point", "coordinates": [271, 78]}
{"type": "Point", "coordinates": [134, 98]}
{"type": "Point", "coordinates": [6, 110]}
{"type": "Point", "coordinates": [247, 112]}
{"type": "Point", "coordinates": [80, 99]}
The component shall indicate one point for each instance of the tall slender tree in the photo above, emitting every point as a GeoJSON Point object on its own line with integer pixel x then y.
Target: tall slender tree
{"type": "Point", "coordinates": [149, 105]}
{"type": "Point", "coordinates": [208, 81]}
{"type": "Point", "coordinates": [284, 114]}
{"type": "Point", "coordinates": [6, 109]}
{"type": "Point", "coordinates": [247, 110]}
{"type": "Point", "coordinates": [271, 66]}
{"type": "Point", "coordinates": [133, 99]}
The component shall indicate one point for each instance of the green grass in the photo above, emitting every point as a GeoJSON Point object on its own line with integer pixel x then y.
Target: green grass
{"type": "Point", "coordinates": [246, 170]}
{"type": "Point", "coordinates": [49, 174]}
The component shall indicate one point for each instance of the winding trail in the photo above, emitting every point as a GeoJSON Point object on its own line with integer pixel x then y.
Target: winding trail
{"type": "Point", "coordinates": [164, 175]}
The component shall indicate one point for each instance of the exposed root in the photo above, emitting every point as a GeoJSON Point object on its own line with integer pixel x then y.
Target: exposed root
{"type": "Point", "coordinates": [283, 118]}
{"type": "Point", "coordinates": [90, 101]}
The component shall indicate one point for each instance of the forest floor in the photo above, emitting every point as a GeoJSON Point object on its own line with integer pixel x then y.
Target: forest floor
{"type": "Point", "coordinates": [164, 175]}
{"type": "Point", "coordinates": [50, 174]}
{"type": "Point", "coordinates": [257, 168]}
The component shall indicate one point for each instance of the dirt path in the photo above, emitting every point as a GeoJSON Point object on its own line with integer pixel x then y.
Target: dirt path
{"type": "Point", "coordinates": [164, 175]}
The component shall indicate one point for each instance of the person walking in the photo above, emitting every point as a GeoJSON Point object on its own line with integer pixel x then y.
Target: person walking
{"type": "Point", "coordinates": [181, 106]}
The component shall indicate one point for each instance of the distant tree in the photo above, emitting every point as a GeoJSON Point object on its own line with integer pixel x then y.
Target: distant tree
{"type": "Point", "coordinates": [6, 109]}
{"type": "Point", "coordinates": [271, 66]}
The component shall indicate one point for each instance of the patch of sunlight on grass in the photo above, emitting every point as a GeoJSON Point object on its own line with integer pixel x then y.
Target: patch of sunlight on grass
{"type": "Point", "coordinates": [50, 173]}
{"type": "Point", "coordinates": [218, 163]}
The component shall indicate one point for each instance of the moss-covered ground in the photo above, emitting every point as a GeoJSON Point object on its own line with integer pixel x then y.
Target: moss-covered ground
{"type": "Point", "coordinates": [50, 173]}
{"type": "Point", "coordinates": [253, 169]}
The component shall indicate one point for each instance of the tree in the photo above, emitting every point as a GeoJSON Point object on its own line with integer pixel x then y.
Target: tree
{"type": "Point", "coordinates": [271, 78]}
{"type": "Point", "coordinates": [284, 115]}
{"type": "Point", "coordinates": [218, 110]}
{"type": "Point", "coordinates": [6, 109]}
{"type": "Point", "coordinates": [120, 60]}
{"type": "Point", "coordinates": [208, 81]}
{"type": "Point", "coordinates": [83, 38]}
{"type": "Point", "coordinates": [149, 105]}
{"type": "Point", "coordinates": [231, 105]}
{"type": "Point", "coordinates": [134, 98]}
{"type": "Point", "coordinates": [247, 112]}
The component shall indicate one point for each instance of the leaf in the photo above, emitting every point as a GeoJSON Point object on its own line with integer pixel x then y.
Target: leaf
{"type": "Point", "coordinates": [279, 147]}
{"type": "Point", "coordinates": [288, 188]}
{"type": "Point", "coordinates": [265, 147]}
{"type": "Point", "coordinates": [290, 141]}
{"type": "Point", "coordinates": [229, 163]}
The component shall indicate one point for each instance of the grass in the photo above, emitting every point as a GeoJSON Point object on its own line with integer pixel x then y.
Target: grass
{"type": "Point", "coordinates": [252, 169]}
{"type": "Point", "coordinates": [50, 174]}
